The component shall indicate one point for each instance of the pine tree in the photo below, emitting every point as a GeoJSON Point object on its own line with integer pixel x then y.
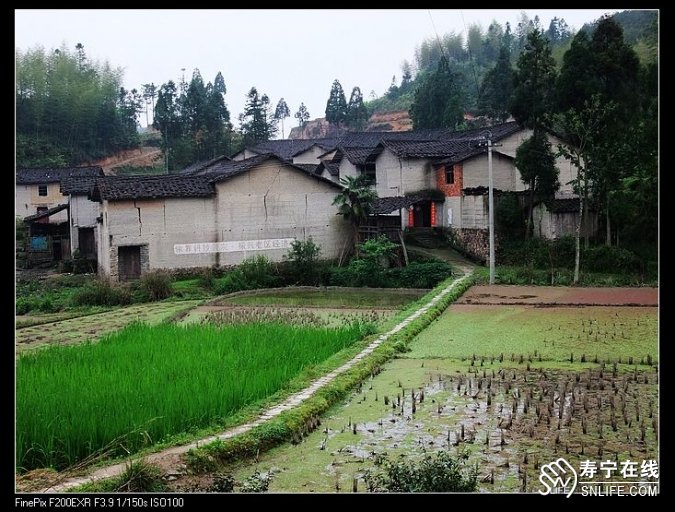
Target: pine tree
{"type": "Point", "coordinates": [533, 94]}
{"type": "Point", "coordinates": [336, 106]}
{"type": "Point", "coordinates": [439, 100]}
{"type": "Point", "coordinates": [357, 112]}
{"type": "Point", "coordinates": [497, 88]}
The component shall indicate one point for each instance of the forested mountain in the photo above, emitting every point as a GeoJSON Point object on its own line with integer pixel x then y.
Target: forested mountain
{"type": "Point", "coordinates": [474, 56]}
{"type": "Point", "coordinates": [70, 110]}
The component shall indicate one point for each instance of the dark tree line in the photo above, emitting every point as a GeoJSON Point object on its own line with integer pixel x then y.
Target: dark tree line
{"type": "Point", "coordinates": [70, 110]}
{"type": "Point", "coordinates": [342, 114]}
{"type": "Point", "coordinates": [193, 120]}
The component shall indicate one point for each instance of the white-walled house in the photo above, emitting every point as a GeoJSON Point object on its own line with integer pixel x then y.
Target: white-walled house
{"type": "Point", "coordinates": [53, 203]}
{"type": "Point", "coordinates": [228, 212]}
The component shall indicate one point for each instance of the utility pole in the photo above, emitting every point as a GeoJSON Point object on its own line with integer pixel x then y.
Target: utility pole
{"type": "Point", "coordinates": [491, 210]}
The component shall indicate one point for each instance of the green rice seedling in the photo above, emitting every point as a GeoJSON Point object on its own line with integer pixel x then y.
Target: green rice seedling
{"type": "Point", "coordinates": [146, 383]}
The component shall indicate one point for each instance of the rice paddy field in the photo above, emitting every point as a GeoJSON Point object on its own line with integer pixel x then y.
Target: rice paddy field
{"type": "Point", "coordinates": [511, 386]}
{"type": "Point", "coordinates": [145, 383]}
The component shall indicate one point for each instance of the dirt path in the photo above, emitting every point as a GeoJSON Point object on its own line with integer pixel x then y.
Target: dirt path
{"type": "Point", "coordinates": [170, 459]}
{"type": "Point", "coordinates": [144, 156]}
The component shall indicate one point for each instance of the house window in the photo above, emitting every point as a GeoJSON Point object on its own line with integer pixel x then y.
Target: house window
{"type": "Point", "coordinates": [369, 170]}
{"type": "Point", "coordinates": [42, 190]}
{"type": "Point", "coordinates": [450, 175]}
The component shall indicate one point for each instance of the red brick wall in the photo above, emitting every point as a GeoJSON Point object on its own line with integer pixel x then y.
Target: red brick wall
{"type": "Point", "coordinates": [454, 190]}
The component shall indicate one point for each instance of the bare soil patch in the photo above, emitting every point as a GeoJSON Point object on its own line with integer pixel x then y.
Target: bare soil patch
{"type": "Point", "coordinates": [560, 295]}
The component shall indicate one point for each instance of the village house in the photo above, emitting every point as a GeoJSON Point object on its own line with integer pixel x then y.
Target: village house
{"type": "Point", "coordinates": [53, 203]}
{"type": "Point", "coordinates": [219, 214]}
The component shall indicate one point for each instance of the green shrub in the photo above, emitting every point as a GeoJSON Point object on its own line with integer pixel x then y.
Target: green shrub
{"type": "Point", "coordinates": [259, 272]}
{"type": "Point", "coordinates": [207, 278]}
{"type": "Point", "coordinates": [609, 259]}
{"type": "Point", "coordinates": [434, 473]}
{"type": "Point", "coordinates": [231, 282]}
{"type": "Point", "coordinates": [156, 285]}
{"type": "Point", "coordinates": [303, 259]}
{"type": "Point", "coordinates": [420, 274]}
{"type": "Point", "coordinates": [102, 292]}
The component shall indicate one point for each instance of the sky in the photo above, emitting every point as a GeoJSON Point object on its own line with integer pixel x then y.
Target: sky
{"type": "Point", "coordinates": [294, 54]}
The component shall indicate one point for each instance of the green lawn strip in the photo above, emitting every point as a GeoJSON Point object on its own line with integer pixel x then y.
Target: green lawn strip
{"type": "Point", "coordinates": [556, 333]}
{"type": "Point", "coordinates": [558, 277]}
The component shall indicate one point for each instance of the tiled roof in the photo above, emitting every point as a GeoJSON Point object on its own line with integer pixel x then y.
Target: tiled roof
{"type": "Point", "coordinates": [46, 213]}
{"type": "Point", "coordinates": [356, 156]}
{"type": "Point", "coordinates": [309, 168]}
{"type": "Point", "coordinates": [286, 149]}
{"type": "Point", "coordinates": [196, 167]}
{"type": "Point", "coordinates": [77, 184]}
{"type": "Point", "coordinates": [384, 205]}
{"type": "Point", "coordinates": [38, 175]}
{"type": "Point", "coordinates": [198, 184]}
{"type": "Point", "coordinates": [116, 188]}
{"type": "Point", "coordinates": [430, 148]}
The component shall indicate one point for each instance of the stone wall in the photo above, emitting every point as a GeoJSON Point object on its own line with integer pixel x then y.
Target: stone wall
{"type": "Point", "coordinates": [474, 242]}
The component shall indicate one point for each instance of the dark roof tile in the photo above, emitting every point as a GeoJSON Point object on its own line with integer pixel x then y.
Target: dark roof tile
{"type": "Point", "coordinates": [38, 175]}
{"type": "Point", "coordinates": [117, 188]}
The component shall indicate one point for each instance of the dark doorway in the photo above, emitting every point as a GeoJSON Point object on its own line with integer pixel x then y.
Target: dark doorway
{"type": "Point", "coordinates": [87, 245]}
{"type": "Point", "coordinates": [423, 214]}
{"type": "Point", "coordinates": [129, 262]}
{"type": "Point", "coordinates": [57, 250]}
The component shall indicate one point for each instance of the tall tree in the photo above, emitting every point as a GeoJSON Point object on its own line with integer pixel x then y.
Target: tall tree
{"type": "Point", "coordinates": [604, 66]}
{"type": "Point", "coordinates": [583, 129]}
{"type": "Point", "coordinates": [357, 112]}
{"type": "Point", "coordinates": [149, 94]}
{"type": "Point", "coordinates": [302, 115]}
{"type": "Point", "coordinates": [257, 122]}
{"type": "Point", "coordinates": [69, 110]}
{"type": "Point", "coordinates": [280, 113]}
{"type": "Point", "coordinates": [439, 100]}
{"type": "Point", "coordinates": [536, 163]}
{"type": "Point", "coordinates": [497, 88]}
{"type": "Point", "coordinates": [535, 76]}
{"type": "Point", "coordinates": [355, 202]}
{"type": "Point", "coordinates": [336, 106]}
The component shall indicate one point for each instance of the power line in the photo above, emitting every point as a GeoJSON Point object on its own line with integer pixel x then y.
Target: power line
{"type": "Point", "coordinates": [440, 45]}
{"type": "Point", "coordinates": [468, 48]}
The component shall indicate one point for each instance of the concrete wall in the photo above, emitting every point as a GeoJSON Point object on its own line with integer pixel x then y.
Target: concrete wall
{"type": "Point", "coordinates": [453, 219]}
{"type": "Point", "coordinates": [474, 212]}
{"type": "Point", "coordinates": [504, 174]}
{"type": "Point", "coordinates": [83, 214]}
{"type": "Point", "coordinates": [243, 155]}
{"type": "Point", "coordinates": [275, 201]}
{"type": "Point", "coordinates": [556, 225]}
{"type": "Point", "coordinates": [567, 171]}
{"type": "Point", "coordinates": [311, 156]}
{"type": "Point", "coordinates": [399, 176]}
{"type": "Point", "coordinates": [272, 201]}
{"type": "Point", "coordinates": [27, 200]}
{"type": "Point", "coordinates": [347, 169]}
